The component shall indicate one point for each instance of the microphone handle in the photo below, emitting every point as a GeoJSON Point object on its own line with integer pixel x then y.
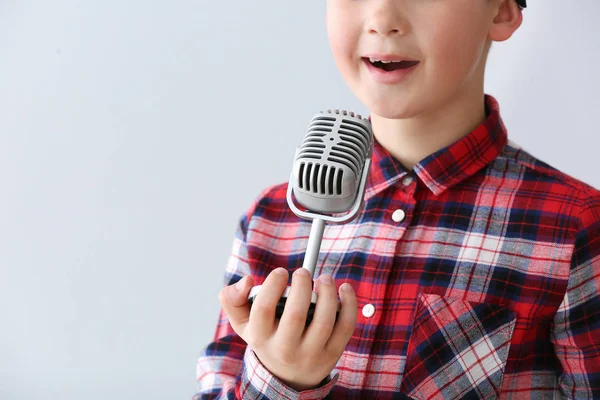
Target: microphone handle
{"type": "Point", "coordinates": [314, 245]}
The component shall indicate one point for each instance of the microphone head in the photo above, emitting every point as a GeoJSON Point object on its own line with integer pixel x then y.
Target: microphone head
{"type": "Point", "coordinates": [332, 162]}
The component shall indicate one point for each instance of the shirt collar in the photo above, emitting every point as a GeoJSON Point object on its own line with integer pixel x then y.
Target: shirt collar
{"type": "Point", "coordinates": [449, 165]}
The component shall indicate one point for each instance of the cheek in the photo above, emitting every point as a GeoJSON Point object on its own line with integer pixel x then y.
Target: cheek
{"type": "Point", "coordinates": [343, 52]}
{"type": "Point", "coordinates": [342, 39]}
{"type": "Point", "coordinates": [454, 54]}
{"type": "Point", "coordinates": [339, 48]}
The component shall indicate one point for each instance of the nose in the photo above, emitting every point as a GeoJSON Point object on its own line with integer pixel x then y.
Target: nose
{"type": "Point", "coordinates": [387, 19]}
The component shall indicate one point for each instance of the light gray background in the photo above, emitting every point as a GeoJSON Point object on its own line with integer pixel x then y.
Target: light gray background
{"type": "Point", "coordinates": [133, 134]}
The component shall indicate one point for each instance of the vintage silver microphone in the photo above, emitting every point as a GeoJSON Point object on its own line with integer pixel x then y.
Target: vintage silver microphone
{"type": "Point", "coordinates": [328, 181]}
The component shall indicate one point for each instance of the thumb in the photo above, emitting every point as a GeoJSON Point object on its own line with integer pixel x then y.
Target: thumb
{"type": "Point", "coordinates": [234, 300]}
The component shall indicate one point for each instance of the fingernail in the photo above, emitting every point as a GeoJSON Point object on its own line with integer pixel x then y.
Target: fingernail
{"type": "Point", "coordinates": [302, 271]}
{"type": "Point", "coordinates": [280, 271]}
{"type": "Point", "coordinates": [346, 287]}
{"type": "Point", "coordinates": [326, 279]}
{"type": "Point", "coordinates": [240, 284]}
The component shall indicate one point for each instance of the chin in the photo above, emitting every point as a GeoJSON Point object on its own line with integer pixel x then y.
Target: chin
{"type": "Point", "coordinates": [390, 109]}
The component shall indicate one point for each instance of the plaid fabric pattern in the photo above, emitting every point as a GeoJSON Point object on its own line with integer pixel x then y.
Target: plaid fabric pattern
{"type": "Point", "coordinates": [457, 349]}
{"type": "Point", "coordinates": [257, 382]}
{"type": "Point", "coordinates": [488, 288]}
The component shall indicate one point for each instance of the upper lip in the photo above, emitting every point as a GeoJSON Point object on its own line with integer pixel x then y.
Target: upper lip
{"type": "Point", "coordinates": [388, 57]}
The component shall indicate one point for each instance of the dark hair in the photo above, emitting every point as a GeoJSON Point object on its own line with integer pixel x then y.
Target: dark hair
{"type": "Point", "coordinates": [522, 3]}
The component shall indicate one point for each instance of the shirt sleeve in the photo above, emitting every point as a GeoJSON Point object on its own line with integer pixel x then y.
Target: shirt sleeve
{"type": "Point", "coordinates": [576, 325]}
{"type": "Point", "coordinates": [227, 368]}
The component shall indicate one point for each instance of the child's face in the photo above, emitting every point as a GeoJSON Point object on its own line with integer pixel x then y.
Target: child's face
{"type": "Point", "coordinates": [447, 37]}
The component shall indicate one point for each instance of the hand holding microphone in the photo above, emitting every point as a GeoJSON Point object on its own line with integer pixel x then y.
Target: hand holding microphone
{"type": "Point", "coordinates": [299, 357]}
{"type": "Point", "coordinates": [328, 177]}
{"type": "Point", "coordinates": [297, 334]}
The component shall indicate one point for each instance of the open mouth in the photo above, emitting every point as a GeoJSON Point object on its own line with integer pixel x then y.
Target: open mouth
{"type": "Point", "coordinates": [392, 65]}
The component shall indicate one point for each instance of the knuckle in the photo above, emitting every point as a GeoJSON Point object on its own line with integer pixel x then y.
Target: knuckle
{"type": "Point", "coordinates": [321, 326]}
{"type": "Point", "coordinates": [260, 308]}
{"type": "Point", "coordinates": [284, 353]}
{"type": "Point", "coordinates": [296, 316]}
{"type": "Point", "coordinates": [288, 358]}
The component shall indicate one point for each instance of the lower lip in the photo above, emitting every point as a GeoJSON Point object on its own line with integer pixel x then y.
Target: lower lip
{"type": "Point", "coordinates": [389, 77]}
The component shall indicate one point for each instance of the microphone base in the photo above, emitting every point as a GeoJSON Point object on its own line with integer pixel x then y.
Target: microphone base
{"type": "Point", "coordinates": [281, 304]}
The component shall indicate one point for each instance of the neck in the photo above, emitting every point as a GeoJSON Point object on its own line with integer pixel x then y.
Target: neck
{"type": "Point", "coordinates": [411, 140]}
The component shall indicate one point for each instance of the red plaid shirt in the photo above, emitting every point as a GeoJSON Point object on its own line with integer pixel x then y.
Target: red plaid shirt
{"type": "Point", "coordinates": [477, 275]}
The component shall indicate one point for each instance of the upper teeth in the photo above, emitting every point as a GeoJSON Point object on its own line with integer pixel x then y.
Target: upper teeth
{"type": "Point", "coordinates": [385, 62]}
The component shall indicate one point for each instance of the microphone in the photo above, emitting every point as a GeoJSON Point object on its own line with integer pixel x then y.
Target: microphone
{"type": "Point", "coordinates": [328, 182]}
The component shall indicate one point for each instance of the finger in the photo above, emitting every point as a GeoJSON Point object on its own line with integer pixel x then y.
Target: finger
{"type": "Point", "coordinates": [293, 320]}
{"type": "Point", "coordinates": [346, 322]}
{"type": "Point", "coordinates": [262, 314]}
{"type": "Point", "coordinates": [234, 300]}
{"type": "Point", "coordinates": [323, 321]}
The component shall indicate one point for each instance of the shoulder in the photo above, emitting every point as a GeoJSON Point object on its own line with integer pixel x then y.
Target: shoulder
{"type": "Point", "coordinates": [269, 208]}
{"type": "Point", "coordinates": [270, 200]}
{"type": "Point", "coordinates": [545, 182]}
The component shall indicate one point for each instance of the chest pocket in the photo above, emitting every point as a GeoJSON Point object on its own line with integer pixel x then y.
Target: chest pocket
{"type": "Point", "coordinates": [457, 349]}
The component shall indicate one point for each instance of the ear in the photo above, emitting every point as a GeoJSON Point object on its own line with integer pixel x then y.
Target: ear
{"type": "Point", "coordinates": [508, 19]}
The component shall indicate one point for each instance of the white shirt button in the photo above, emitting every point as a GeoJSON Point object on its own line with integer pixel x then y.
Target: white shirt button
{"type": "Point", "coordinates": [407, 180]}
{"type": "Point", "coordinates": [368, 310]}
{"type": "Point", "coordinates": [398, 215]}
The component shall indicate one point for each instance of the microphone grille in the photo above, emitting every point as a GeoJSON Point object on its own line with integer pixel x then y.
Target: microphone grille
{"type": "Point", "coordinates": [331, 157]}
{"type": "Point", "coordinates": [320, 178]}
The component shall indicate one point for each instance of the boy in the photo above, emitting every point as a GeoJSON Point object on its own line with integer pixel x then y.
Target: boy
{"type": "Point", "coordinates": [472, 272]}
